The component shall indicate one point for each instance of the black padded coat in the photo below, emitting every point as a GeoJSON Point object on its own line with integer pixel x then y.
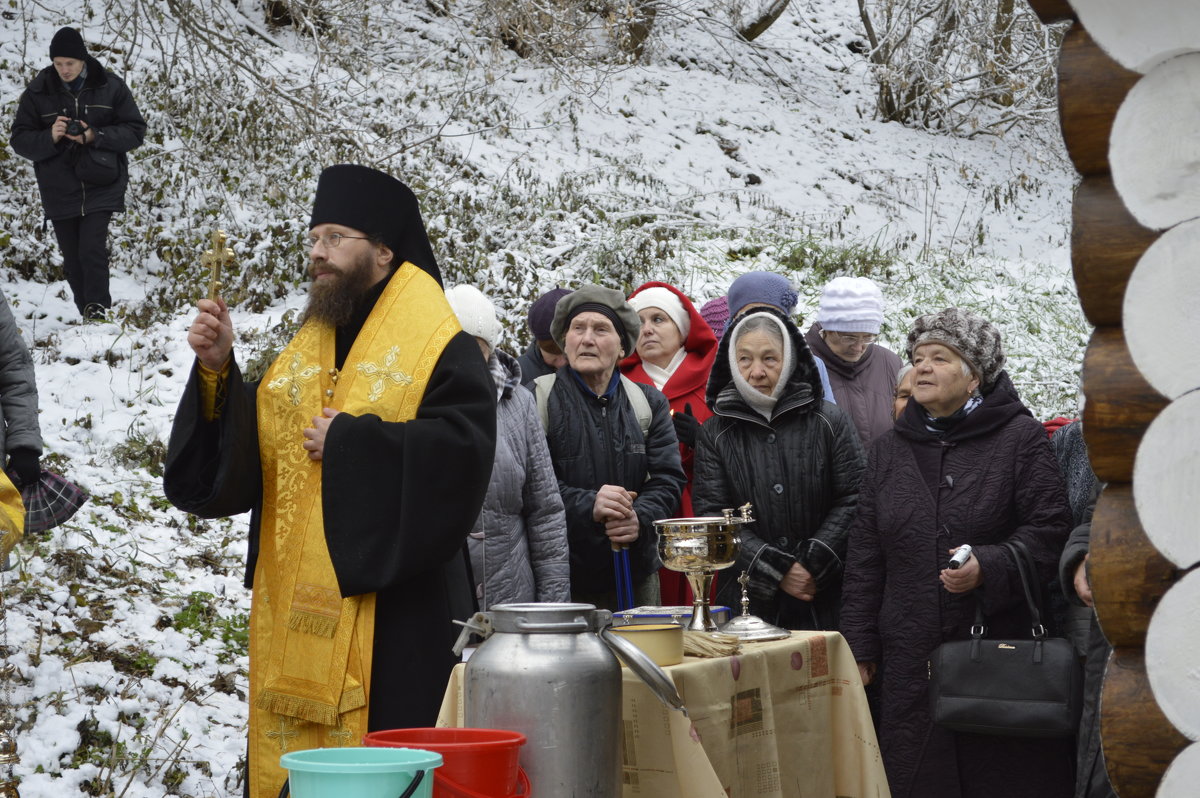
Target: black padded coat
{"type": "Point", "coordinates": [801, 472]}
{"type": "Point", "coordinates": [596, 441]}
{"type": "Point", "coordinates": [107, 106]}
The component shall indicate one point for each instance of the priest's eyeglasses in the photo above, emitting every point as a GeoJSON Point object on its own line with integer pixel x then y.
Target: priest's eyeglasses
{"type": "Point", "coordinates": [850, 339]}
{"type": "Point", "coordinates": [330, 240]}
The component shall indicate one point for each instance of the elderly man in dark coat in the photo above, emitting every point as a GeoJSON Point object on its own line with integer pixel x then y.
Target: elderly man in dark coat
{"type": "Point", "coordinates": [363, 454]}
{"type": "Point", "coordinates": [613, 447]}
{"type": "Point", "coordinates": [965, 463]}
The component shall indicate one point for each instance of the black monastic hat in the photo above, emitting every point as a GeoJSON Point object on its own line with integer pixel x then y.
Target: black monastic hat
{"type": "Point", "coordinates": [379, 205]}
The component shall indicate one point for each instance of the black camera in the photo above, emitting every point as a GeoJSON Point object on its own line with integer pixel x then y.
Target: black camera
{"type": "Point", "coordinates": [75, 127]}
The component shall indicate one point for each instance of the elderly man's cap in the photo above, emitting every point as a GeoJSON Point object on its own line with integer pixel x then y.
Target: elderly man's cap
{"type": "Point", "coordinates": [379, 205]}
{"type": "Point", "coordinates": [68, 43]}
{"type": "Point", "coordinates": [597, 299]}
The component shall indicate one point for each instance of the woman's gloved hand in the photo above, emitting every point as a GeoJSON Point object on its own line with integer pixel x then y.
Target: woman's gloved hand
{"type": "Point", "coordinates": [686, 426]}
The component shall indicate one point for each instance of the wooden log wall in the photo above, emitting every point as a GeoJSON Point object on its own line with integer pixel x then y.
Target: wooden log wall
{"type": "Point", "coordinates": [1135, 249]}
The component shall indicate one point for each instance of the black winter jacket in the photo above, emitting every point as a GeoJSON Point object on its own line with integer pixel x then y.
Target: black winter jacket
{"type": "Point", "coordinates": [597, 441]}
{"type": "Point", "coordinates": [532, 365]}
{"type": "Point", "coordinates": [107, 106]}
{"type": "Point", "coordinates": [801, 472]}
{"type": "Point", "coordinates": [990, 478]}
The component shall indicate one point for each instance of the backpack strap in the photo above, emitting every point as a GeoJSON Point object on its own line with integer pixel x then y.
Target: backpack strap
{"type": "Point", "coordinates": [637, 399]}
{"type": "Point", "coordinates": [641, 405]}
{"type": "Point", "coordinates": [541, 392]}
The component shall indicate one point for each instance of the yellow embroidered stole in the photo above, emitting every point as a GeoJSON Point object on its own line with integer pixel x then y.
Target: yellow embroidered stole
{"type": "Point", "coordinates": [310, 649]}
{"type": "Point", "coordinates": [12, 515]}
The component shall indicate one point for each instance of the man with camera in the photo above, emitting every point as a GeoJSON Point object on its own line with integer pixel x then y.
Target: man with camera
{"type": "Point", "coordinates": [76, 121]}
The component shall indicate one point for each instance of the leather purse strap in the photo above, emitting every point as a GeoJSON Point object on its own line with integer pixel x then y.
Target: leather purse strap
{"type": "Point", "coordinates": [1027, 570]}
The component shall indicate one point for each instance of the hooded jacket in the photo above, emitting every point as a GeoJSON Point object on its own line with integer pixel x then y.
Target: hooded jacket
{"type": "Point", "coordinates": [519, 542]}
{"type": "Point", "coordinates": [686, 387]}
{"type": "Point", "coordinates": [800, 470]}
{"type": "Point", "coordinates": [864, 389]}
{"type": "Point", "coordinates": [107, 106]}
{"type": "Point", "coordinates": [990, 478]}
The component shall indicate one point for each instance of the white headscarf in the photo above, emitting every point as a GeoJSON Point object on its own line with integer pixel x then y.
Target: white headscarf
{"type": "Point", "coordinates": [761, 403]}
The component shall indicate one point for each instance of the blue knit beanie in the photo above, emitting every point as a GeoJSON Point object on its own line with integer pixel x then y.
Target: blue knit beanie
{"type": "Point", "coordinates": [768, 287]}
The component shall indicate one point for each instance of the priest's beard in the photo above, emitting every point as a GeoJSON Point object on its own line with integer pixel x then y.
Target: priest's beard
{"type": "Point", "coordinates": [334, 300]}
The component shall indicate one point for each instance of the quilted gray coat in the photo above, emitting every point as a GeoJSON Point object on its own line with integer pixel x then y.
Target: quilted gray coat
{"type": "Point", "coordinates": [19, 427]}
{"type": "Point", "coordinates": [519, 542]}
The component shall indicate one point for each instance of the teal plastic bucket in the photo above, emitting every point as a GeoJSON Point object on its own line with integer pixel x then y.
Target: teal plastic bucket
{"type": "Point", "coordinates": [360, 772]}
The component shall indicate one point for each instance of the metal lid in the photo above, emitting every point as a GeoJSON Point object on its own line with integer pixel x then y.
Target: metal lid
{"type": "Point", "coordinates": [753, 629]}
{"type": "Point", "coordinates": [548, 618]}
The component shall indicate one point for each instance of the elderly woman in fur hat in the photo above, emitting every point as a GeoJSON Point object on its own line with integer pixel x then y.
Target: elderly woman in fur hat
{"type": "Point", "coordinates": [965, 463]}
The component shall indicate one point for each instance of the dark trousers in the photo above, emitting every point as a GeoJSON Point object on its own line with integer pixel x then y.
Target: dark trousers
{"type": "Point", "coordinates": [84, 244]}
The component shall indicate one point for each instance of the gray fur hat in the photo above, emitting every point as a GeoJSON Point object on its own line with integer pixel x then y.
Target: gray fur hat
{"type": "Point", "coordinates": [975, 339]}
{"type": "Point", "coordinates": [606, 301]}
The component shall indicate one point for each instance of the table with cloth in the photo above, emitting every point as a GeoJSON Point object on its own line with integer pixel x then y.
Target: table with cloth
{"type": "Point", "coordinates": [783, 719]}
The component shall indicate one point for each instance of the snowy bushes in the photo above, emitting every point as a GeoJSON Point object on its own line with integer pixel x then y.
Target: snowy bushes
{"type": "Point", "coordinates": [962, 66]}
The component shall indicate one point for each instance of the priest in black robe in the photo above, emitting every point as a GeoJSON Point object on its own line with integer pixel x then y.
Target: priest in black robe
{"type": "Point", "coordinates": [363, 455]}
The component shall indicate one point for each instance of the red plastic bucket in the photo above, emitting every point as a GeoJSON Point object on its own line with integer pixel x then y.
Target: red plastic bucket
{"type": "Point", "coordinates": [476, 763]}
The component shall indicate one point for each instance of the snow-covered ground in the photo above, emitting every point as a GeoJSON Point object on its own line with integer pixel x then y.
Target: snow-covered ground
{"type": "Point", "coordinates": [126, 625]}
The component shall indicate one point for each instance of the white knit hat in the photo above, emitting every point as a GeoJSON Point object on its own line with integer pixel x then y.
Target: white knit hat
{"type": "Point", "coordinates": [475, 312]}
{"type": "Point", "coordinates": [851, 304]}
{"type": "Point", "coordinates": [658, 297]}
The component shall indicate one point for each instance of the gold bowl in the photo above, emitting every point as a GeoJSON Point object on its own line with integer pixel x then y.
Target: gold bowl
{"type": "Point", "coordinates": [662, 642]}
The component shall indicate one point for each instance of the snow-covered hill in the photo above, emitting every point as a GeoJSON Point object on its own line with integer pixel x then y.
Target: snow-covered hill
{"type": "Point", "coordinates": [127, 625]}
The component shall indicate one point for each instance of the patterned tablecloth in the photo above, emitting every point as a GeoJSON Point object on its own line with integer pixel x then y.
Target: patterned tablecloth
{"type": "Point", "coordinates": [785, 719]}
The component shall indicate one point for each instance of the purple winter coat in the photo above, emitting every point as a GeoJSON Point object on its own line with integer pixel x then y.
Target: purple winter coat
{"type": "Point", "coordinates": [992, 477]}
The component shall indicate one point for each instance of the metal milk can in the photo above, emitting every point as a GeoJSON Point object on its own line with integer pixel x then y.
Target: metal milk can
{"type": "Point", "coordinates": [547, 671]}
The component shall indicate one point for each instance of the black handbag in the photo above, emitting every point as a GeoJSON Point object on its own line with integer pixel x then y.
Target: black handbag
{"type": "Point", "coordinates": [97, 167]}
{"type": "Point", "coordinates": [1012, 688]}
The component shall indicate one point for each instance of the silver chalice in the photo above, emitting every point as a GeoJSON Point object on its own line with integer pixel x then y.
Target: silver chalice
{"type": "Point", "coordinates": [698, 548]}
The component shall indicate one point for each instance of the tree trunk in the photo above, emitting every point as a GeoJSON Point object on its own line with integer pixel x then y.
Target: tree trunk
{"type": "Point", "coordinates": [765, 19]}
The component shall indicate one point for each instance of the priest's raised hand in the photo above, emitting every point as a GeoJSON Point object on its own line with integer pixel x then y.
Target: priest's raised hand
{"type": "Point", "coordinates": [211, 334]}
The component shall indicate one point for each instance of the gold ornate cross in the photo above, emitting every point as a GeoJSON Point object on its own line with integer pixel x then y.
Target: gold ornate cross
{"type": "Point", "coordinates": [283, 733]}
{"type": "Point", "coordinates": [385, 375]}
{"type": "Point", "coordinates": [341, 736]}
{"type": "Point", "coordinates": [215, 259]}
{"type": "Point", "coordinates": [294, 379]}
